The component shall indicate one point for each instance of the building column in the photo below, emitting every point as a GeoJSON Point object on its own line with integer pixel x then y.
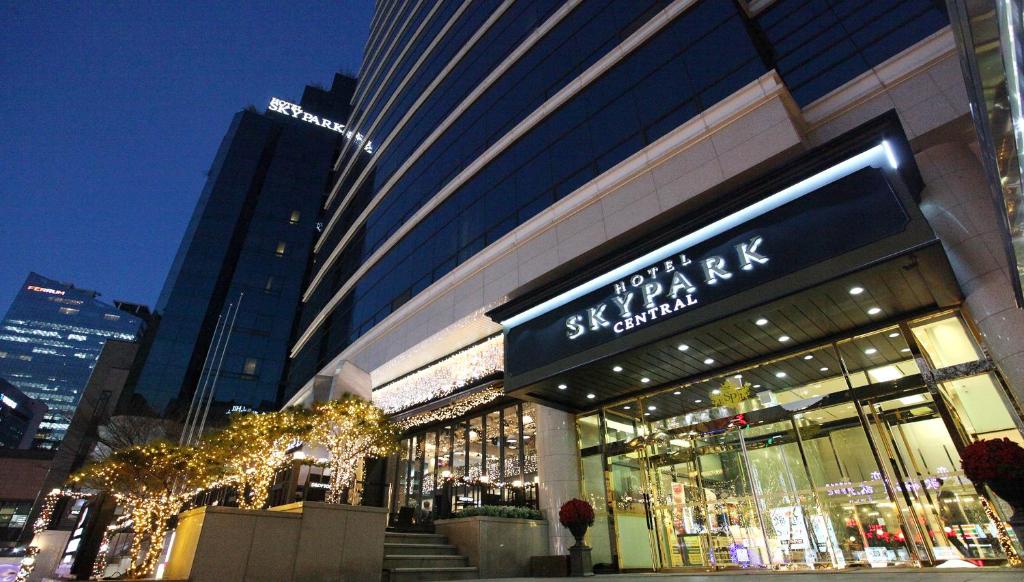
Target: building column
{"type": "Point", "coordinates": [558, 472]}
{"type": "Point", "coordinates": [958, 204]}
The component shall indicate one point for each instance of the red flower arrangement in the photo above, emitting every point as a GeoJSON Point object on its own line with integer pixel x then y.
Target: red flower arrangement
{"type": "Point", "coordinates": [576, 513]}
{"type": "Point", "coordinates": [993, 460]}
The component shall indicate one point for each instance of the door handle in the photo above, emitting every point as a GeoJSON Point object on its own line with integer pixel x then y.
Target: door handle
{"type": "Point", "coordinates": [647, 511]}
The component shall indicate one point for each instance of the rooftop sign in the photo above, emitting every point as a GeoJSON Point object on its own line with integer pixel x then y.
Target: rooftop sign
{"type": "Point", "coordinates": [296, 111]}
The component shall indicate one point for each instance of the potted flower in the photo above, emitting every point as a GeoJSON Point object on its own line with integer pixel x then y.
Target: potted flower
{"type": "Point", "coordinates": [577, 515]}
{"type": "Point", "coordinates": [999, 463]}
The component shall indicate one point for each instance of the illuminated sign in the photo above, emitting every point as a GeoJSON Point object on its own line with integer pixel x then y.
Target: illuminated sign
{"type": "Point", "coordinates": [671, 282]}
{"type": "Point", "coordinates": [47, 290]}
{"type": "Point", "coordinates": [296, 111]}
{"type": "Point", "coordinates": [662, 290]}
{"type": "Point", "coordinates": [8, 401]}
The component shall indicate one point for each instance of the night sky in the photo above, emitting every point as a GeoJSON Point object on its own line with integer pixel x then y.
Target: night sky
{"type": "Point", "coordinates": [113, 112]}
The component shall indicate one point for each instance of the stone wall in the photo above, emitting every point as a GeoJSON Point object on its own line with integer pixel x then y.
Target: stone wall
{"type": "Point", "coordinates": [499, 547]}
{"type": "Point", "coordinates": [307, 542]}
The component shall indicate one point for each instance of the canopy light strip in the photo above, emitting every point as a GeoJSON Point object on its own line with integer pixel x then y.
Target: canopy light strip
{"type": "Point", "coordinates": [878, 156]}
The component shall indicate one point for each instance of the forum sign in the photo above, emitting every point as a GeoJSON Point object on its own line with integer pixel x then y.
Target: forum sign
{"type": "Point", "coordinates": [296, 111]}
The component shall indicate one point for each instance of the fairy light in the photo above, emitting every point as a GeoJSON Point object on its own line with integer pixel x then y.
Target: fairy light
{"type": "Point", "coordinates": [350, 429]}
{"type": "Point", "coordinates": [454, 409]}
{"type": "Point", "coordinates": [442, 378]}
{"type": "Point", "coordinates": [1012, 557]}
{"type": "Point", "coordinates": [254, 447]}
{"type": "Point", "coordinates": [152, 482]}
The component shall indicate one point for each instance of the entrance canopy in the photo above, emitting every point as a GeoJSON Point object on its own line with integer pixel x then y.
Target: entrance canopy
{"type": "Point", "coordinates": [829, 244]}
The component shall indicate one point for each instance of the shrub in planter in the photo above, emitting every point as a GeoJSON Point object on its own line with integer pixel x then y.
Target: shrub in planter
{"type": "Point", "coordinates": [500, 511]}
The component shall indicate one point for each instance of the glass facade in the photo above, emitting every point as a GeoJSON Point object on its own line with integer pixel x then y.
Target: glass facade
{"type": "Point", "coordinates": [49, 343]}
{"type": "Point", "coordinates": [246, 250]}
{"type": "Point", "coordinates": [839, 455]}
{"type": "Point", "coordinates": [701, 56]}
{"type": "Point", "coordinates": [489, 458]}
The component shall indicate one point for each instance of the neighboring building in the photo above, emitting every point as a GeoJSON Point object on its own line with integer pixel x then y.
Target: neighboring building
{"type": "Point", "coordinates": [19, 417]}
{"type": "Point", "coordinates": [729, 270]}
{"type": "Point", "coordinates": [49, 343]}
{"type": "Point", "coordinates": [22, 472]}
{"type": "Point", "coordinates": [228, 307]}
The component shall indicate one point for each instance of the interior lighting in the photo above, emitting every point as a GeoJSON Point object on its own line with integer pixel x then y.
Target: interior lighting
{"type": "Point", "coordinates": [645, 380]}
{"type": "Point", "coordinates": [617, 369]}
{"type": "Point", "coordinates": [562, 386]}
{"type": "Point", "coordinates": [591, 396]}
{"type": "Point", "coordinates": [652, 407]}
{"type": "Point", "coordinates": [780, 374]}
{"type": "Point", "coordinates": [808, 357]}
{"type": "Point", "coordinates": [894, 334]}
{"type": "Point", "coordinates": [871, 351]}
{"type": "Point", "coordinates": [716, 391]}
{"type": "Point", "coordinates": [783, 338]}
{"type": "Point", "coordinates": [761, 322]}
{"type": "Point", "coordinates": [677, 393]}
{"type": "Point", "coordinates": [856, 290]}
{"type": "Point", "coordinates": [823, 369]}
{"type": "Point", "coordinates": [874, 311]}
{"type": "Point", "coordinates": [682, 347]}
{"type": "Point", "coordinates": [709, 361]}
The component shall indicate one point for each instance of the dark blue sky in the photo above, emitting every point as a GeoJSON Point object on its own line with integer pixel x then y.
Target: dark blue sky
{"type": "Point", "coordinates": [113, 113]}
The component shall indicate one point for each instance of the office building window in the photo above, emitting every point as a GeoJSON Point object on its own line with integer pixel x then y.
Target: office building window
{"type": "Point", "coordinates": [111, 317]}
{"type": "Point", "coordinates": [250, 367]}
{"type": "Point", "coordinates": [294, 218]}
{"type": "Point", "coordinates": [68, 310]}
{"type": "Point", "coordinates": [281, 246]}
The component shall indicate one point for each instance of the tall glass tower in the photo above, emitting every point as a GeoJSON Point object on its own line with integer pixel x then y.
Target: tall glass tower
{"type": "Point", "coordinates": [228, 305]}
{"type": "Point", "coordinates": [49, 343]}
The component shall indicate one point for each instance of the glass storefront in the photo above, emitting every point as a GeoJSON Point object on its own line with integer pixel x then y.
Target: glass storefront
{"type": "Point", "coordinates": [486, 459]}
{"type": "Point", "coordinates": [840, 455]}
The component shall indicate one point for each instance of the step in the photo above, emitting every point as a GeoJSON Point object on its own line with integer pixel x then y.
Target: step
{"type": "Point", "coordinates": [422, 574]}
{"type": "Point", "coordinates": [423, 561]}
{"type": "Point", "coordinates": [414, 538]}
{"type": "Point", "coordinates": [401, 549]}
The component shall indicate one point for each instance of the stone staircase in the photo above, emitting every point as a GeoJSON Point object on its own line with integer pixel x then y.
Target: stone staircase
{"type": "Point", "coordinates": [411, 557]}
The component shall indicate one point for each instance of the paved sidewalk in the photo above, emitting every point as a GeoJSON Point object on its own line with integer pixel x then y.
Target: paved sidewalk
{"type": "Point", "coordinates": [861, 575]}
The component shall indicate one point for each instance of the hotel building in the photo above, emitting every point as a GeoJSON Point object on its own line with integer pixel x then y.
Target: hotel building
{"type": "Point", "coordinates": [731, 271]}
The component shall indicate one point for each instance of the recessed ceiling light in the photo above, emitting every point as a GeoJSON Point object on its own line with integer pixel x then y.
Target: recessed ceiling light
{"type": "Point", "coordinates": [905, 350]}
{"type": "Point", "coordinates": [698, 401]}
{"type": "Point", "coordinates": [645, 380]}
{"type": "Point", "coordinates": [647, 414]}
{"type": "Point", "coordinates": [709, 361]}
{"type": "Point", "coordinates": [682, 347]}
{"type": "Point", "coordinates": [757, 385]}
{"type": "Point", "coordinates": [627, 407]}
{"type": "Point", "coordinates": [761, 321]}
{"type": "Point", "coordinates": [874, 311]}
{"type": "Point", "coordinates": [677, 393]}
{"type": "Point", "coordinates": [783, 338]}
{"type": "Point", "coordinates": [716, 391]}
{"type": "Point", "coordinates": [562, 386]}
{"type": "Point", "coordinates": [808, 357]}
{"type": "Point", "coordinates": [780, 374]}
{"type": "Point", "coordinates": [617, 369]}
{"type": "Point", "coordinates": [591, 396]}
{"type": "Point", "coordinates": [652, 407]}
{"type": "Point", "coordinates": [738, 376]}
{"type": "Point", "coordinates": [894, 334]}
{"type": "Point", "coordinates": [824, 368]}
{"type": "Point", "coordinates": [871, 351]}
{"type": "Point", "coordinates": [856, 290]}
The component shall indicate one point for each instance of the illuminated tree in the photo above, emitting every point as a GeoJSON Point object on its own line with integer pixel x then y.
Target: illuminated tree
{"type": "Point", "coordinates": [151, 482]}
{"type": "Point", "coordinates": [351, 429]}
{"type": "Point", "coordinates": [254, 447]}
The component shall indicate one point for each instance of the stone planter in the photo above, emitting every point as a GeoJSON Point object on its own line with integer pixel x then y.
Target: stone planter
{"type": "Point", "coordinates": [500, 547]}
{"type": "Point", "coordinates": [304, 541]}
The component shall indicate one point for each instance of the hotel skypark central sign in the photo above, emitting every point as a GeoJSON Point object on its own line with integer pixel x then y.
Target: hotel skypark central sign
{"type": "Point", "coordinates": [838, 210]}
{"type": "Point", "coordinates": [663, 290]}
